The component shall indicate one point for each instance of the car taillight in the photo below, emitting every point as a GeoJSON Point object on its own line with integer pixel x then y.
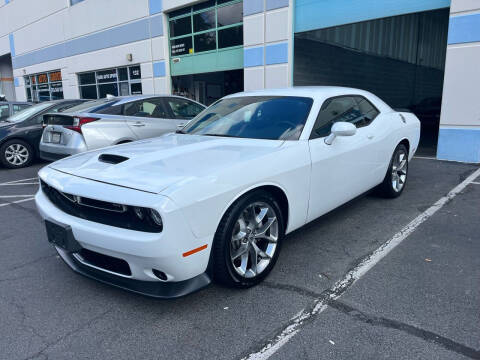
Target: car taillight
{"type": "Point", "coordinates": [78, 122]}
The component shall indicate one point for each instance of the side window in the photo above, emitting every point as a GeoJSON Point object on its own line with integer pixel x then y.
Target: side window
{"type": "Point", "coordinates": [4, 111]}
{"type": "Point", "coordinates": [63, 107]}
{"type": "Point", "coordinates": [184, 109]}
{"type": "Point", "coordinates": [145, 108]}
{"type": "Point", "coordinates": [111, 110]}
{"type": "Point", "coordinates": [368, 111]}
{"type": "Point", "coordinates": [343, 108]}
{"type": "Point", "coordinates": [19, 107]}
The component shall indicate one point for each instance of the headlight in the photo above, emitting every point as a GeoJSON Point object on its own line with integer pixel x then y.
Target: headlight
{"type": "Point", "coordinates": [157, 219]}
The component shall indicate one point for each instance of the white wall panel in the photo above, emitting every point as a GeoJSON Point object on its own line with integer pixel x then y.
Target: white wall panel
{"type": "Point", "coordinates": [161, 86]}
{"type": "Point", "coordinates": [91, 16]}
{"type": "Point", "coordinates": [254, 29]}
{"type": "Point", "coordinates": [4, 45]}
{"type": "Point", "coordinates": [460, 91]}
{"type": "Point", "coordinates": [147, 86]}
{"type": "Point", "coordinates": [19, 13]}
{"type": "Point", "coordinates": [276, 76]}
{"type": "Point", "coordinates": [254, 78]}
{"type": "Point", "coordinates": [159, 48]}
{"type": "Point", "coordinates": [464, 5]}
{"type": "Point", "coordinates": [277, 25]}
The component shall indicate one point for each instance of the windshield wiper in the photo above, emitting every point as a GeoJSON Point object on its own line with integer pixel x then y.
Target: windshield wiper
{"type": "Point", "coordinates": [220, 135]}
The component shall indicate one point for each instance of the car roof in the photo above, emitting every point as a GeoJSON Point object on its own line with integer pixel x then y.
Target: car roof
{"type": "Point", "coordinates": [315, 92]}
{"type": "Point", "coordinates": [304, 91]}
{"type": "Point", "coordinates": [128, 98]}
{"type": "Point", "coordinates": [16, 102]}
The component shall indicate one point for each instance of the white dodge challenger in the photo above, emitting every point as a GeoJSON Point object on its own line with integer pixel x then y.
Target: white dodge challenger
{"type": "Point", "coordinates": [165, 216]}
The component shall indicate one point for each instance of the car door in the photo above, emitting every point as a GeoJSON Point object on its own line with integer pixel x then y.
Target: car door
{"type": "Point", "coordinates": [182, 110]}
{"type": "Point", "coordinates": [342, 170]}
{"type": "Point", "coordinates": [148, 118]}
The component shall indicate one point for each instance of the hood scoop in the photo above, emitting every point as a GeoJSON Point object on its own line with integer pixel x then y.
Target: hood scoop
{"type": "Point", "coordinates": [112, 159]}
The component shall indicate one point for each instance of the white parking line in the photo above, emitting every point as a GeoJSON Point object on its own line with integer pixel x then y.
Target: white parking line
{"type": "Point", "coordinates": [425, 157]}
{"type": "Point", "coordinates": [476, 183]}
{"type": "Point", "coordinates": [14, 196]}
{"type": "Point", "coordinates": [16, 202]}
{"type": "Point", "coordinates": [320, 304]}
{"type": "Point", "coordinates": [20, 184]}
{"type": "Point", "coordinates": [21, 180]}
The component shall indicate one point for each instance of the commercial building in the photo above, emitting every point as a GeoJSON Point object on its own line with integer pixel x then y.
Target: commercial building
{"type": "Point", "coordinates": [420, 55]}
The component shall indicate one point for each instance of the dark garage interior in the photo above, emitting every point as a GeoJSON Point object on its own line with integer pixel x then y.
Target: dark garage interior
{"type": "Point", "coordinates": [401, 59]}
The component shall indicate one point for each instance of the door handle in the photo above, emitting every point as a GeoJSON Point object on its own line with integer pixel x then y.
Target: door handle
{"type": "Point", "coordinates": [139, 124]}
{"type": "Point", "coordinates": [370, 137]}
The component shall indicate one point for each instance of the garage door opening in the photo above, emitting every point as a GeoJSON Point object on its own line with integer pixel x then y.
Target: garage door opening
{"type": "Point", "coordinates": [207, 88]}
{"type": "Point", "coordinates": [401, 59]}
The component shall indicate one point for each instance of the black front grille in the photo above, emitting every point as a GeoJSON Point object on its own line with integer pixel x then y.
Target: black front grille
{"type": "Point", "coordinates": [106, 262]}
{"type": "Point", "coordinates": [98, 211]}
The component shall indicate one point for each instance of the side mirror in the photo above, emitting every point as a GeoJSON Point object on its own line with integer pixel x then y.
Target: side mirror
{"type": "Point", "coordinates": [340, 129]}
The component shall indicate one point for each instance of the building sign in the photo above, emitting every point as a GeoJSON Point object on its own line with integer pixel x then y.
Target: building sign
{"type": "Point", "coordinates": [56, 76]}
{"type": "Point", "coordinates": [107, 76]}
{"type": "Point", "coordinates": [42, 78]}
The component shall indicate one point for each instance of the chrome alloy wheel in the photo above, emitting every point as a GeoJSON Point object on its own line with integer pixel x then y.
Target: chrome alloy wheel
{"type": "Point", "coordinates": [254, 239]}
{"type": "Point", "coordinates": [399, 170]}
{"type": "Point", "coordinates": [16, 154]}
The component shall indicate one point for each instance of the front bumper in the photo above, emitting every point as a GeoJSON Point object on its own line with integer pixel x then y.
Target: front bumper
{"type": "Point", "coordinates": [144, 252]}
{"type": "Point", "coordinates": [161, 290]}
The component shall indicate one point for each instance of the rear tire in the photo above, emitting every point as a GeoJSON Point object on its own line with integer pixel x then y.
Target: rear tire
{"type": "Point", "coordinates": [248, 240]}
{"type": "Point", "coordinates": [16, 154]}
{"type": "Point", "coordinates": [397, 174]}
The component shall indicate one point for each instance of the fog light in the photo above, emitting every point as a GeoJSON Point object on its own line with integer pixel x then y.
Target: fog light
{"type": "Point", "coordinates": [157, 219]}
{"type": "Point", "coordinates": [160, 274]}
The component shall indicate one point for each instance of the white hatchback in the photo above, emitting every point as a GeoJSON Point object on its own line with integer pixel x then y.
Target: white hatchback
{"type": "Point", "coordinates": [111, 121]}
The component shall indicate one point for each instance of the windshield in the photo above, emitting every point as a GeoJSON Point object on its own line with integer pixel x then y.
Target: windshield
{"type": "Point", "coordinates": [92, 105]}
{"type": "Point", "coordinates": [28, 112]}
{"type": "Point", "coordinates": [255, 117]}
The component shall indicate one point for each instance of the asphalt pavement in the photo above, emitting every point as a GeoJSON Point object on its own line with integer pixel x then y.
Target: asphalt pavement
{"type": "Point", "coordinates": [421, 301]}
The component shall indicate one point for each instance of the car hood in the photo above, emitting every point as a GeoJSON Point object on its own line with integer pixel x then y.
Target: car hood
{"type": "Point", "coordinates": [155, 164]}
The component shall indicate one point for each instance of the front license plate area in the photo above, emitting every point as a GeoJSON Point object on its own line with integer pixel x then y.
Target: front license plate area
{"type": "Point", "coordinates": [62, 236]}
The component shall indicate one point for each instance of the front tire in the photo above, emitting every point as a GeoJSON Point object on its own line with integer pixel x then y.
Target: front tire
{"type": "Point", "coordinates": [248, 240]}
{"type": "Point", "coordinates": [15, 154]}
{"type": "Point", "coordinates": [397, 173]}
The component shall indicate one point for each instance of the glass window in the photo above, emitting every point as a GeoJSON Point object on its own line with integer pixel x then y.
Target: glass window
{"type": "Point", "coordinates": [344, 108]}
{"type": "Point", "coordinates": [368, 111]}
{"type": "Point", "coordinates": [204, 5]}
{"type": "Point", "coordinates": [230, 37]}
{"type": "Point", "coordinates": [145, 108]}
{"type": "Point", "coordinates": [181, 46]}
{"type": "Point", "coordinates": [136, 88]}
{"type": "Point", "coordinates": [106, 76]}
{"type": "Point", "coordinates": [229, 15]}
{"type": "Point", "coordinates": [205, 41]}
{"type": "Point", "coordinates": [204, 21]}
{"type": "Point", "coordinates": [111, 110]}
{"type": "Point", "coordinates": [184, 109]}
{"type": "Point", "coordinates": [28, 112]}
{"type": "Point", "coordinates": [107, 89]}
{"type": "Point", "coordinates": [87, 78]}
{"type": "Point", "coordinates": [207, 21]}
{"type": "Point", "coordinates": [111, 82]}
{"type": "Point", "coordinates": [4, 111]}
{"type": "Point", "coordinates": [73, 2]}
{"type": "Point", "coordinates": [122, 74]}
{"type": "Point", "coordinates": [182, 26]}
{"type": "Point", "coordinates": [256, 117]}
{"type": "Point", "coordinates": [49, 87]}
{"type": "Point", "coordinates": [135, 72]}
{"type": "Point", "coordinates": [93, 106]}
{"type": "Point", "coordinates": [88, 92]}
{"type": "Point", "coordinates": [19, 107]}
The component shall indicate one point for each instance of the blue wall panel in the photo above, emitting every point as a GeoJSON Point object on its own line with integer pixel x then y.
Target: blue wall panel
{"type": "Point", "coordinates": [253, 56]}
{"type": "Point", "coordinates": [12, 45]}
{"type": "Point", "coordinates": [318, 14]}
{"type": "Point", "coordinates": [120, 35]}
{"type": "Point", "coordinates": [464, 29]}
{"type": "Point", "coordinates": [276, 54]}
{"type": "Point", "coordinates": [159, 69]}
{"type": "Point", "coordinates": [155, 6]}
{"type": "Point", "coordinates": [252, 7]}
{"type": "Point", "coordinates": [459, 145]}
